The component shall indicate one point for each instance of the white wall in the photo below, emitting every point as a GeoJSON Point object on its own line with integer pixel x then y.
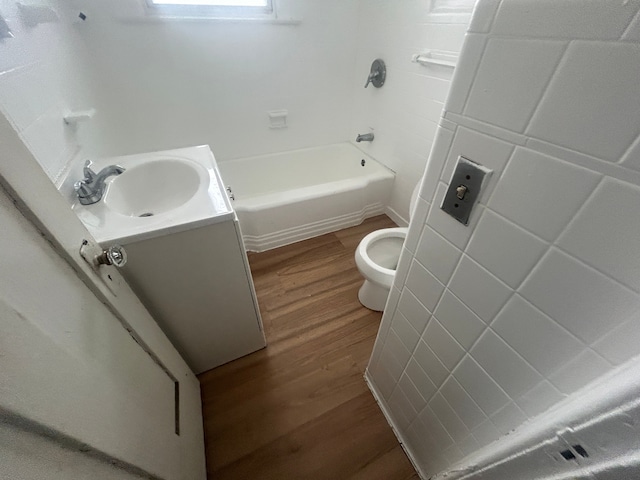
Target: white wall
{"type": "Point", "coordinates": [404, 113]}
{"type": "Point", "coordinates": [491, 324]}
{"type": "Point", "coordinates": [180, 83]}
{"type": "Point", "coordinates": [44, 72]}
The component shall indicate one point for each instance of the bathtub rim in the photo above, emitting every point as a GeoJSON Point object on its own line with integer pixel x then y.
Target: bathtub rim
{"type": "Point", "coordinates": [264, 228]}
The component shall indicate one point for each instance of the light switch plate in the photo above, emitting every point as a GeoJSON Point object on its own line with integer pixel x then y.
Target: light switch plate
{"type": "Point", "coordinates": [464, 189]}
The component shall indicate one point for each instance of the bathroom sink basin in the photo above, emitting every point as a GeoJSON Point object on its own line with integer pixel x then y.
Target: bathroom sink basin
{"type": "Point", "coordinates": [155, 187]}
{"type": "Point", "coordinates": [159, 193]}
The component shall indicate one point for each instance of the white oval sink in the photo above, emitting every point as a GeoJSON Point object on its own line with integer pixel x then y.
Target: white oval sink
{"type": "Point", "coordinates": [154, 187]}
{"type": "Point", "coordinates": [181, 188]}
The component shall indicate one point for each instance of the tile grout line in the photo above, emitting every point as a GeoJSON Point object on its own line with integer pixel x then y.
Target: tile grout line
{"type": "Point", "coordinates": [628, 27]}
{"type": "Point", "coordinates": [546, 87]}
{"type": "Point", "coordinates": [486, 37]}
{"type": "Point", "coordinates": [450, 372]}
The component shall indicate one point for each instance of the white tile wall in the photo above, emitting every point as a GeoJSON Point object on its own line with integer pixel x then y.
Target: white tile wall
{"type": "Point", "coordinates": [438, 255]}
{"type": "Point", "coordinates": [541, 193]}
{"type": "Point", "coordinates": [179, 83]}
{"type": "Point", "coordinates": [620, 344]}
{"type": "Point", "coordinates": [421, 380]}
{"type": "Point", "coordinates": [486, 433]}
{"type": "Point", "coordinates": [508, 418]}
{"type": "Point", "coordinates": [576, 114]}
{"type": "Point", "coordinates": [579, 371]}
{"type": "Point", "coordinates": [539, 398]}
{"type": "Point", "coordinates": [514, 374]}
{"type": "Point", "coordinates": [585, 298]}
{"type": "Point", "coordinates": [612, 208]}
{"type": "Point", "coordinates": [483, 292]}
{"type": "Point", "coordinates": [510, 80]}
{"type": "Point", "coordinates": [460, 401]}
{"type": "Point", "coordinates": [632, 32]}
{"type": "Point", "coordinates": [448, 417]}
{"type": "Point", "coordinates": [482, 388]}
{"type": "Point", "coordinates": [459, 320]}
{"type": "Point", "coordinates": [431, 364]}
{"type": "Point", "coordinates": [631, 159]}
{"type": "Point", "coordinates": [507, 251]}
{"type": "Point", "coordinates": [442, 343]}
{"type": "Point", "coordinates": [44, 72]}
{"type": "Point", "coordinates": [416, 313]}
{"type": "Point", "coordinates": [541, 291]}
{"type": "Point", "coordinates": [525, 328]}
{"type": "Point", "coordinates": [424, 285]}
{"type": "Point", "coordinates": [405, 112]}
{"type": "Point", "coordinates": [550, 19]}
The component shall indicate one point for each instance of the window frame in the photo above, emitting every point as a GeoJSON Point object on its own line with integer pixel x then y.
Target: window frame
{"type": "Point", "coordinates": [211, 11]}
{"type": "Point", "coordinates": [451, 11]}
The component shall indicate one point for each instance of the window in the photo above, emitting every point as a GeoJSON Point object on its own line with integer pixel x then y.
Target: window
{"type": "Point", "coordinates": [455, 6]}
{"type": "Point", "coordinates": [212, 8]}
{"type": "Point", "coordinates": [214, 3]}
{"type": "Point", "coordinates": [451, 11]}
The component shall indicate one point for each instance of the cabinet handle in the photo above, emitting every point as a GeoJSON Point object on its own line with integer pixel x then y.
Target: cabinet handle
{"type": "Point", "coordinates": [115, 255]}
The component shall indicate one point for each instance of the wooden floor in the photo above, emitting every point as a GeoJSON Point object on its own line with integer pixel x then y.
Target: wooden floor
{"type": "Point", "coordinates": [300, 408]}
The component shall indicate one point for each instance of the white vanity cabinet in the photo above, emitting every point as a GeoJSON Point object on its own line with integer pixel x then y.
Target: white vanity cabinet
{"type": "Point", "coordinates": [197, 285]}
{"type": "Point", "coordinates": [186, 257]}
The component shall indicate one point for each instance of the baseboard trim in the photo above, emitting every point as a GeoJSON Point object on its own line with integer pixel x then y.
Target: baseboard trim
{"type": "Point", "coordinates": [385, 411]}
{"type": "Point", "coordinates": [396, 217]}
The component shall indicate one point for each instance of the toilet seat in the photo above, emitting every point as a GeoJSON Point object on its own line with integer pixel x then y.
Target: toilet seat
{"type": "Point", "coordinates": [377, 258]}
{"type": "Point", "coordinates": [371, 268]}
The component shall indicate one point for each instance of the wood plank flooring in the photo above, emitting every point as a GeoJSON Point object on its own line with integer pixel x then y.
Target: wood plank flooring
{"type": "Point", "coordinates": [300, 408]}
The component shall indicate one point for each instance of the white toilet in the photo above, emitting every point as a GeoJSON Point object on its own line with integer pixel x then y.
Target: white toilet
{"type": "Point", "coordinates": [377, 258]}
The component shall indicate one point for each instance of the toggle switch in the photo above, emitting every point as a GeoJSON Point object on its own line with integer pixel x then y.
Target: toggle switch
{"type": "Point", "coordinates": [464, 189]}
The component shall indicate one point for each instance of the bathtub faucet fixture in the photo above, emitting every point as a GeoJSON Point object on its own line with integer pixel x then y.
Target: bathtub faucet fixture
{"type": "Point", "coordinates": [91, 188]}
{"type": "Point", "coordinates": [364, 137]}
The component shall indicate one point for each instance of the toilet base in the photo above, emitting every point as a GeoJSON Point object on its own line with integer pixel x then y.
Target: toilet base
{"type": "Point", "coordinates": [373, 296]}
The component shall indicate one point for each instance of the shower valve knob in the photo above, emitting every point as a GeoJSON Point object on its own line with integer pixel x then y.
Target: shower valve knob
{"type": "Point", "coordinates": [377, 74]}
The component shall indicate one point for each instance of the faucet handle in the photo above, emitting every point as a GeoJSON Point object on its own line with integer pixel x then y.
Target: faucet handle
{"type": "Point", "coordinates": [372, 76]}
{"type": "Point", "coordinates": [81, 188]}
{"type": "Point", "coordinates": [89, 175]}
{"type": "Point", "coordinates": [86, 194]}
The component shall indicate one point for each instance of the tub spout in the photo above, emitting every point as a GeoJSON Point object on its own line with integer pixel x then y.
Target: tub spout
{"type": "Point", "coordinates": [366, 137]}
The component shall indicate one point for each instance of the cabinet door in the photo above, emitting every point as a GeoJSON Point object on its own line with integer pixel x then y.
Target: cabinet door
{"type": "Point", "coordinates": [195, 284]}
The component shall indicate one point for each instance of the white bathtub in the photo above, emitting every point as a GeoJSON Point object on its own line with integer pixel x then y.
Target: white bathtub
{"type": "Point", "coordinates": [286, 197]}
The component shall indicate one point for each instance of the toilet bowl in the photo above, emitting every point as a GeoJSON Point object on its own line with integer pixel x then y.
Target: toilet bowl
{"type": "Point", "coordinates": [377, 258]}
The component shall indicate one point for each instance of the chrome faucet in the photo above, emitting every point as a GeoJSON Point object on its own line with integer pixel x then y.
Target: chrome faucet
{"type": "Point", "coordinates": [366, 137]}
{"type": "Point", "coordinates": [91, 188]}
